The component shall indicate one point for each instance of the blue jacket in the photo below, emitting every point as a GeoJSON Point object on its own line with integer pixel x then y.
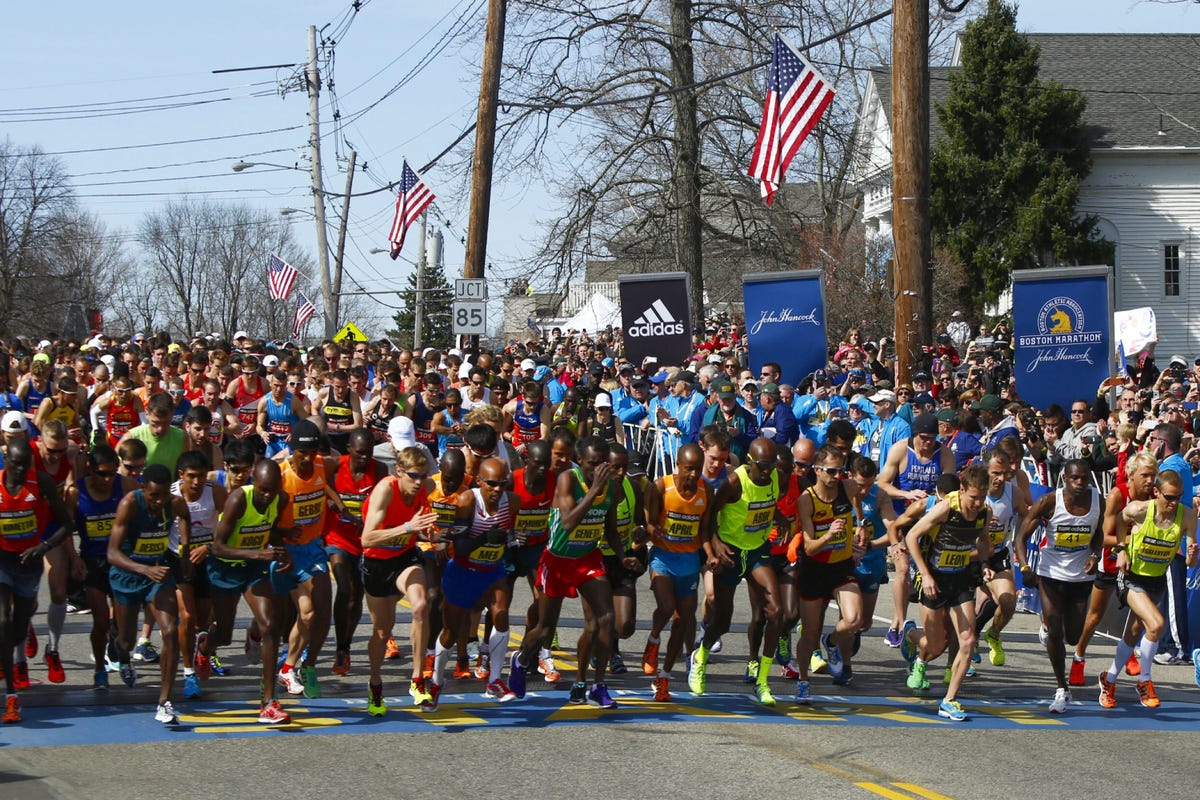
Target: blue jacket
{"type": "Point", "coordinates": [629, 411]}
{"type": "Point", "coordinates": [813, 420]}
{"type": "Point", "coordinates": [891, 430]}
{"type": "Point", "coordinates": [784, 422]}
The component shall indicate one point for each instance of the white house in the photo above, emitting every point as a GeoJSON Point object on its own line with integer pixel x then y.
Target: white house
{"type": "Point", "coordinates": [1143, 111]}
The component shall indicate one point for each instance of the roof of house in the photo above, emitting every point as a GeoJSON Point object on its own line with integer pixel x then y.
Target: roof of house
{"type": "Point", "coordinates": [1128, 80]}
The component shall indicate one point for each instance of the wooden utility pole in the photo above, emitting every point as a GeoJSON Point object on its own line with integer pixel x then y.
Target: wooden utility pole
{"type": "Point", "coordinates": [485, 145]}
{"type": "Point", "coordinates": [313, 84]}
{"type": "Point", "coordinates": [341, 242]}
{"type": "Point", "coordinates": [910, 182]}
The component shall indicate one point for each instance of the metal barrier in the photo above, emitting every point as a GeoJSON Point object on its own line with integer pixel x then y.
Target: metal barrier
{"type": "Point", "coordinates": [654, 447]}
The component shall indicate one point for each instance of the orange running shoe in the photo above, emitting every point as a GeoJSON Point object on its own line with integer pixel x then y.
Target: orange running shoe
{"type": "Point", "coordinates": [54, 667]}
{"type": "Point", "coordinates": [12, 709]}
{"type": "Point", "coordinates": [650, 659]}
{"type": "Point", "coordinates": [427, 671]}
{"type": "Point", "coordinates": [393, 649]}
{"type": "Point", "coordinates": [1108, 692]}
{"type": "Point", "coordinates": [21, 675]}
{"type": "Point", "coordinates": [31, 643]}
{"type": "Point", "coordinates": [662, 693]}
{"type": "Point", "coordinates": [341, 663]}
{"type": "Point", "coordinates": [1133, 667]}
{"type": "Point", "coordinates": [1077, 678]}
{"type": "Point", "coordinates": [548, 670]}
{"type": "Point", "coordinates": [462, 671]}
{"type": "Point", "coordinates": [1147, 695]}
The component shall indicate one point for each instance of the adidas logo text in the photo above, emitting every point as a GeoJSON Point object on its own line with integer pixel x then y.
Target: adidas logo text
{"type": "Point", "coordinates": [656, 320]}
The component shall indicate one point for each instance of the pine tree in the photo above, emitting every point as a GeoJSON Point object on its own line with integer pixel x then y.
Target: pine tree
{"type": "Point", "coordinates": [435, 325]}
{"type": "Point", "coordinates": [1005, 178]}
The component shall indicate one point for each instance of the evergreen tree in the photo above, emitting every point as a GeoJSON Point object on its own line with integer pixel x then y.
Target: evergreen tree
{"type": "Point", "coordinates": [1005, 178]}
{"type": "Point", "coordinates": [435, 323]}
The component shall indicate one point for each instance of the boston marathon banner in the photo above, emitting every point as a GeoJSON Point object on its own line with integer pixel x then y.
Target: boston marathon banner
{"type": "Point", "coordinates": [1062, 333]}
{"type": "Point", "coordinates": [655, 317]}
{"type": "Point", "coordinates": [785, 321]}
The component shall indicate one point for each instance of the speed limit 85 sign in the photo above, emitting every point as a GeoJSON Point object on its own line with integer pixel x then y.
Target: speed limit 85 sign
{"type": "Point", "coordinates": [469, 317]}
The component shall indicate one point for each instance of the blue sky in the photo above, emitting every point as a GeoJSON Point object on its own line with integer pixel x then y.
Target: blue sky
{"type": "Point", "coordinates": [88, 53]}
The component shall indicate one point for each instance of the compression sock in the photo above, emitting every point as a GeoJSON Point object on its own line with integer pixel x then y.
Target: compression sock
{"type": "Point", "coordinates": [1124, 651]}
{"type": "Point", "coordinates": [56, 616]}
{"type": "Point", "coordinates": [1149, 649]}
{"type": "Point", "coordinates": [441, 657]}
{"type": "Point", "coordinates": [985, 615]}
{"type": "Point", "coordinates": [701, 654]}
{"type": "Point", "coordinates": [764, 669]}
{"type": "Point", "coordinates": [497, 647]}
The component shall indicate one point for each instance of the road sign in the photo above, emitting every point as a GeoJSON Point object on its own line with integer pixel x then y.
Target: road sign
{"type": "Point", "coordinates": [469, 317]}
{"type": "Point", "coordinates": [470, 289]}
{"type": "Point", "coordinates": [350, 331]}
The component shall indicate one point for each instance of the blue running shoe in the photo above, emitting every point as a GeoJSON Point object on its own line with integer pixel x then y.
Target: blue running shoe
{"type": "Point", "coordinates": [600, 697]}
{"type": "Point", "coordinates": [952, 710]}
{"type": "Point", "coordinates": [516, 676]}
{"type": "Point", "coordinates": [145, 652]}
{"type": "Point", "coordinates": [803, 693]}
{"type": "Point", "coordinates": [128, 675]}
{"type": "Point", "coordinates": [833, 656]}
{"type": "Point", "coordinates": [908, 648]}
{"type": "Point", "coordinates": [218, 669]}
{"type": "Point", "coordinates": [844, 677]}
{"type": "Point", "coordinates": [191, 687]}
{"type": "Point", "coordinates": [1196, 663]}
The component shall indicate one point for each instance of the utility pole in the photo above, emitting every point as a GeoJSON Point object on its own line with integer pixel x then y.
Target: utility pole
{"type": "Point", "coordinates": [341, 243]}
{"type": "Point", "coordinates": [313, 82]}
{"type": "Point", "coordinates": [485, 145]}
{"type": "Point", "coordinates": [419, 314]}
{"type": "Point", "coordinates": [910, 182]}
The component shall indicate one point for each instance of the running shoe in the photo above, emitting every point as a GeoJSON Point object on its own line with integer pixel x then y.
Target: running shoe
{"type": "Point", "coordinates": [462, 671]}
{"type": "Point", "coordinates": [783, 650]}
{"type": "Point", "coordinates": [21, 676]}
{"type": "Point", "coordinates": [650, 658]}
{"type": "Point", "coordinates": [1167, 659]}
{"type": "Point", "coordinates": [427, 668]}
{"type": "Point", "coordinates": [291, 682]}
{"type": "Point", "coordinates": [218, 669]}
{"type": "Point", "coordinates": [616, 664]}
{"type": "Point", "coordinates": [916, 679]}
{"type": "Point", "coordinates": [418, 691]}
{"type": "Point", "coordinates": [789, 671]}
{"type": "Point", "coordinates": [1059, 704]}
{"type": "Point", "coordinates": [145, 652]}
{"type": "Point", "coordinates": [1043, 634]}
{"type": "Point", "coordinates": [128, 675]}
{"type": "Point", "coordinates": [844, 677]}
{"type": "Point", "coordinates": [995, 647]}
{"type": "Point", "coordinates": [12, 709]}
{"type": "Point", "coordinates": [700, 629]}
{"type": "Point", "coordinates": [762, 693]}
{"type": "Point", "coordinates": [393, 649]}
{"type": "Point", "coordinates": [312, 689]}
{"type": "Point", "coordinates": [1077, 678]}
{"type": "Point", "coordinates": [110, 665]}
{"type": "Point", "coordinates": [31, 643]}
{"type": "Point", "coordinates": [833, 655]}
{"type": "Point", "coordinates": [54, 667]}
{"type": "Point", "coordinates": [516, 676]}
{"type": "Point", "coordinates": [498, 690]}
{"type": "Point", "coordinates": [435, 692]}
{"type": "Point", "coordinates": [716, 648]}
{"type": "Point", "coordinates": [952, 710]}
{"type": "Point", "coordinates": [578, 695]}
{"type": "Point", "coordinates": [100, 679]}
{"type": "Point", "coordinates": [191, 687]}
{"type": "Point", "coordinates": [1195, 663]}
{"type": "Point", "coordinates": [803, 693]}
{"type": "Point", "coordinates": [751, 675]}
{"type": "Point", "coordinates": [662, 689]}
{"type": "Point", "coordinates": [341, 662]}
{"type": "Point", "coordinates": [600, 697]}
{"type": "Point", "coordinates": [971, 672]}
{"type": "Point", "coordinates": [1148, 695]}
{"type": "Point", "coordinates": [375, 705]}
{"type": "Point", "coordinates": [908, 648]}
{"type": "Point", "coordinates": [892, 637]}
{"type": "Point", "coordinates": [273, 714]}
{"type": "Point", "coordinates": [1133, 667]}
{"type": "Point", "coordinates": [202, 662]}
{"type": "Point", "coordinates": [547, 668]}
{"type": "Point", "coordinates": [816, 664]}
{"type": "Point", "coordinates": [483, 669]}
{"type": "Point", "coordinates": [1108, 692]}
{"type": "Point", "coordinates": [166, 714]}
{"type": "Point", "coordinates": [253, 648]}
{"type": "Point", "coordinates": [696, 674]}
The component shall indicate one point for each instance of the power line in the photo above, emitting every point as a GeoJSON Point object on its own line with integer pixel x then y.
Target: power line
{"type": "Point", "coordinates": [148, 145]}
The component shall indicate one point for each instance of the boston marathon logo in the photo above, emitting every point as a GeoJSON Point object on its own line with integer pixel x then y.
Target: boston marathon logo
{"type": "Point", "coordinates": [784, 315]}
{"type": "Point", "coordinates": [1062, 335]}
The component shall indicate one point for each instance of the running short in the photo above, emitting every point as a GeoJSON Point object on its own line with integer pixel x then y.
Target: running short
{"type": "Point", "coordinates": [953, 589]}
{"type": "Point", "coordinates": [22, 579]}
{"type": "Point", "coordinates": [618, 575]}
{"type": "Point", "coordinates": [1070, 592]}
{"type": "Point", "coordinates": [465, 587]}
{"type": "Point", "coordinates": [562, 577]}
{"type": "Point", "coordinates": [744, 562]}
{"type": "Point", "coordinates": [1105, 581]}
{"type": "Point", "coordinates": [1153, 586]}
{"type": "Point", "coordinates": [380, 574]}
{"type": "Point", "coordinates": [197, 579]}
{"type": "Point", "coordinates": [97, 573]}
{"type": "Point", "coordinates": [682, 569]}
{"type": "Point", "coordinates": [133, 589]}
{"type": "Point", "coordinates": [871, 574]}
{"type": "Point", "coordinates": [1000, 561]}
{"type": "Point", "coordinates": [236, 577]}
{"type": "Point", "coordinates": [522, 560]}
{"type": "Point", "coordinates": [817, 580]}
{"type": "Point", "coordinates": [786, 570]}
{"type": "Point", "coordinates": [332, 550]}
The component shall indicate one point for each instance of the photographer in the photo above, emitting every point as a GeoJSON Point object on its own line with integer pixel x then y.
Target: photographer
{"type": "Point", "coordinates": [1082, 440]}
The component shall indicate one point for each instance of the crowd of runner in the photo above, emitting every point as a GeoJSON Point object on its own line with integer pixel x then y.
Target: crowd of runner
{"type": "Point", "coordinates": [158, 484]}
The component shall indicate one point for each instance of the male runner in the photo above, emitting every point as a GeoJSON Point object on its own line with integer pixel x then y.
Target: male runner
{"type": "Point", "coordinates": [204, 502]}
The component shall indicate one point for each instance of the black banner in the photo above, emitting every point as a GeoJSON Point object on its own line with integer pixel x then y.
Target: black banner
{"type": "Point", "coordinates": [655, 317]}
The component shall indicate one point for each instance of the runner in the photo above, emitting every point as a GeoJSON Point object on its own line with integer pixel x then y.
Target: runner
{"type": "Point", "coordinates": [530, 415]}
{"type": "Point", "coordinates": [340, 410]}
{"type": "Point", "coordinates": [244, 394]}
{"type": "Point", "coordinates": [997, 595]}
{"type": "Point", "coordinates": [451, 481]}
{"type": "Point", "coordinates": [277, 413]}
{"type": "Point", "coordinates": [534, 483]}
{"type": "Point", "coordinates": [871, 569]}
{"type": "Point", "coordinates": [121, 409]}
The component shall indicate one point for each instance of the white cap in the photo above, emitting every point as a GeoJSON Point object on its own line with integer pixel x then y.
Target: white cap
{"type": "Point", "coordinates": [603, 401]}
{"type": "Point", "coordinates": [108, 360]}
{"type": "Point", "coordinates": [528, 364]}
{"type": "Point", "coordinates": [714, 359]}
{"type": "Point", "coordinates": [956, 314]}
{"type": "Point", "coordinates": [883, 394]}
{"type": "Point", "coordinates": [43, 344]}
{"type": "Point", "coordinates": [240, 335]}
{"type": "Point", "coordinates": [95, 342]}
{"type": "Point", "coordinates": [454, 351]}
{"type": "Point", "coordinates": [401, 433]}
{"type": "Point", "coordinates": [465, 370]}
{"type": "Point", "coordinates": [13, 422]}
{"type": "Point", "coordinates": [270, 361]}
{"type": "Point", "coordinates": [425, 353]}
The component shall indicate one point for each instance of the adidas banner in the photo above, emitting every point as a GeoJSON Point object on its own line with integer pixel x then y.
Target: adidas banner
{"type": "Point", "coordinates": [654, 315]}
{"type": "Point", "coordinates": [1062, 333]}
{"type": "Point", "coordinates": [785, 321]}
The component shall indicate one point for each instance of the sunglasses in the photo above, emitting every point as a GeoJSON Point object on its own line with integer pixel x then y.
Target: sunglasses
{"type": "Point", "coordinates": [417, 476]}
{"type": "Point", "coordinates": [765, 466]}
{"type": "Point", "coordinates": [493, 483]}
{"type": "Point", "coordinates": [1171, 498]}
{"type": "Point", "coordinates": [835, 471]}
{"type": "Point", "coordinates": [104, 475]}
{"type": "Point", "coordinates": [132, 467]}
{"type": "Point", "coordinates": [56, 451]}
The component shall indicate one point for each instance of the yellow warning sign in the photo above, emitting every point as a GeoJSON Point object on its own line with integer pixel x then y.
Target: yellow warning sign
{"type": "Point", "coordinates": [350, 331]}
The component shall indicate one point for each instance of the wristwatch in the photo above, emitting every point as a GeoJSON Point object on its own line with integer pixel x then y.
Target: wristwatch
{"type": "Point", "coordinates": [1119, 548]}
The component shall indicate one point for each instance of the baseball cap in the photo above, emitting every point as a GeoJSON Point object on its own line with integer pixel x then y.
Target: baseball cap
{"type": "Point", "coordinates": [924, 424]}
{"type": "Point", "coordinates": [607, 363]}
{"type": "Point", "coordinates": [625, 367]}
{"type": "Point", "coordinates": [724, 389]}
{"type": "Point", "coordinates": [305, 434]}
{"type": "Point", "coordinates": [924, 398]}
{"type": "Point", "coordinates": [237, 335]}
{"type": "Point", "coordinates": [13, 422]}
{"type": "Point", "coordinates": [43, 344]}
{"type": "Point", "coordinates": [769, 388]}
{"type": "Point", "coordinates": [989, 402]}
{"type": "Point", "coordinates": [270, 361]}
{"type": "Point", "coordinates": [108, 360]}
{"type": "Point", "coordinates": [528, 364]}
{"type": "Point", "coordinates": [540, 373]}
{"type": "Point", "coordinates": [1177, 359]}
{"type": "Point", "coordinates": [659, 376]}
{"type": "Point", "coordinates": [956, 314]}
{"type": "Point", "coordinates": [714, 359]}
{"type": "Point", "coordinates": [882, 395]}
{"type": "Point", "coordinates": [602, 401]}
{"type": "Point", "coordinates": [946, 415]}
{"type": "Point", "coordinates": [401, 433]}
{"type": "Point", "coordinates": [922, 376]}
{"type": "Point", "coordinates": [749, 382]}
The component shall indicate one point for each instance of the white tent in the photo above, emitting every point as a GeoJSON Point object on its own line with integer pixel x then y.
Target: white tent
{"type": "Point", "coordinates": [597, 313]}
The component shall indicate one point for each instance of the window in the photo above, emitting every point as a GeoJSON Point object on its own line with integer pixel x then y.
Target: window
{"type": "Point", "coordinates": [1171, 270]}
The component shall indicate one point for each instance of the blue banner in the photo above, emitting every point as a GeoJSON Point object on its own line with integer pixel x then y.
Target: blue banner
{"type": "Point", "coordinates": [785, 321]}
{"type": "Point", "coordinates": [1062, 333]}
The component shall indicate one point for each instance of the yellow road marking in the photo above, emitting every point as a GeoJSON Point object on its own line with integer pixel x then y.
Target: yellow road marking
{"type": "Point", "coordinates": [294, 725]}
{"type": "Point", "coordinates": [1021, 716]}
{"type": "Point", "coordinates": [633, 705]}
{"type": "Point", "coordinates": [445, 715]}
{"type": "Point", "coordinates": [811, 713]}
{"type": "Point", "coordinates": [882, 791]}
{"type": "Point", "coordinates": [891, 713]}
{"type": "Point", "coordinates": [921, 791]}
{"type": "Point", "coordinates": [232, 715]}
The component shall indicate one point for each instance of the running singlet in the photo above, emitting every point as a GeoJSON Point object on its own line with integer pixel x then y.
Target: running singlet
{"type": "Point", "coordinates": [280, 418]}
{"type": "Point", "coordinates": [308, 500]}
{"type": "Point", "coordinates": [1068, 542]}
{"type": "Point", "coordinates": [121, 420]}
{"type": "Point", "coordinates": [534, 515]}
{"type": "Point", "coordinates": [59, 474]}
{"type": "Point", "coordinates": [746, 522]}
{"type": "Point", "coordinates": [345, 533]}
{"type": "Point", "coordinates": [445, 505]}
{"type": "Point", "coordinates": [338, 412]}
{"type": "Point", "coordinates": [1002, 515]}
{"type": "Point", "coordinates": [839, 548]}
{"type": "Point", "coordinates": [450, 440]}
{"type": "Point", "coordinates": [951, 544]}
{"type": "Point", "coordinates": [423, 425]}
{"type": "Point", "coordinates": [252, 531]}
{"type": "Point", "coordinates": [587, 534]}
{"type": "Point", "coordinates": [918, 474]}
{"type": "Point", "coordinates": [377, 421]}
{"type": "Point", "coordinates": [67, 414]}
{"type": "Point", "coordinates": [527, 425]}
{"type": "Point", "coordinates": [487, 556]}
{"type": "Point", "coordinates": [247, 401]}
{"type": "Point", "coordinates": [398, 512]}
{"type": "Point", "coordinates": [873, 559]}
{"type": "Point", "coordinates": [786, 507]}
{"type": "Point", "coordinates": [1151, 548]}
{"type": "Point", "coordinates": [203, 512]}
{"type": "Point", "coordinates": [148, 538]}
{"type": "Point", "coordinates": [563, 419]}
{"type": "Point", "coordinates": [625, 511]}
{"type": "Point", "coordinates": [23, 515]}
{"type": "Point", "coordinates": [680, 520]}
{"type": "Point", "coordinates": [95, 518]}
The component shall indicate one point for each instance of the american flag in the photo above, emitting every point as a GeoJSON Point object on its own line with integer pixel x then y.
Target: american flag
{"type": "Point", "coordinates": [414, 198]}
{"type": "Point", "coordinates": [281, 276]}
{"type": "Point", "coordinates": [304, 311]}
{"type": "Point", "coordinates": [797, 96]}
